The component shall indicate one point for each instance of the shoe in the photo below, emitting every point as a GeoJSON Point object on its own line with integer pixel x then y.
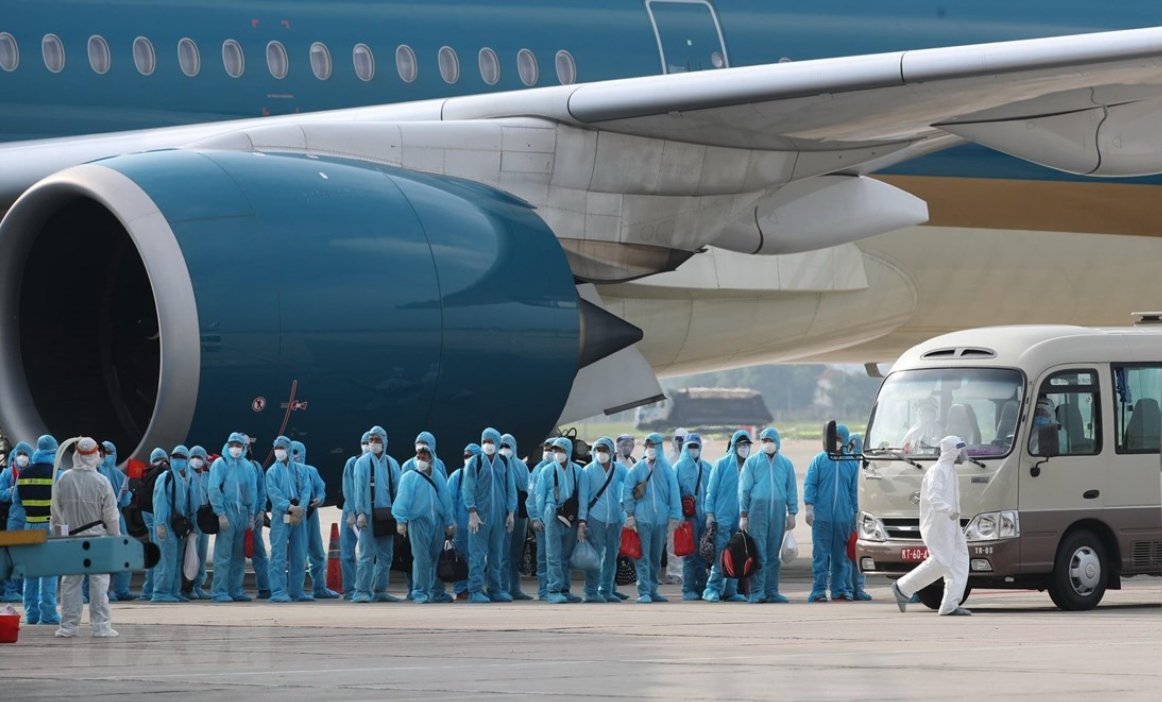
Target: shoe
{"type": "Point", "coordinates": [711, 596]}
{"type": "Point", "coordinates": [658, 598]}
{"type": "Point", "coordinates": [63, 633]}
{"type": "Point", "coordinates": [521, 597]}
{"type": "Point", "coordinates": [612, 599]}
{"type": "Point", "coordinates": [737, 598]}
{"type": "Point", "coordinates": [280, 599]}
{"type": "Point", "coordinates": [241, 597]}
{"type": "Point", "coordinates": [556, 598]}
{"type": "Point", "coordinates": [264, 594]}
{"type": "Point", "coordinates": [817, 597]}
{"type": "Point", "coordinates": [777, 598]}
{"type": "Point", "coordinates": [479, 598]}
{"type": "Point", "coordinates": [842, 597]}
{"type": "Point", "coordinates": [200, 594]}
{"type": "Point", "coordinates": [645, 599]}
{"type": "Point", "coordinates": [861, 596]}
{"type": "Point", "coordinates": [901, 600]}
{"type": "Point", "coordinates": [620, 595]}
{"type": "Point", "coordinates": [348, 595]}
{"type": "Point", "coordinates": [361, 597]}
{"type": "Point", "coordinates": [501, 597]}
{"type": "Point", "coordinates": [14, 597]}
{"type": "Point", "coordinates": [409, 597]}
{"type": "Point", "coordinates": [594, 599]}
{"type": "Point", "coordinates": [105, 634]}
{"type": "Point", "coordinates": [959, 612]}
{"type": "Point", "coordinates": [420, 599]}
{"type": "Point", "coordinates": [384, 597]}
{"type": "Point", "coordinates": [182, 598]}
{"type": "Point", "coordinates": [325, 594]}
{"type": "Point", "coordinates": [32, 621]}
{"type": "Point", "coordinates": [443, 597]}
{"type": "Point", "coordinates": [221, 598]}
{"type": "Point", "coordinates": [756, 599]}
{"type": "Point", "coordinates": [164, 599]}
{"type": "Point", "coordinates": [304, 598]}
{"type": "Point", "coordinates": [690, 596]}
{"type": "Point", "coordinates": [462, 595]}
{"type": "Point", "coordinates": [571, 598]}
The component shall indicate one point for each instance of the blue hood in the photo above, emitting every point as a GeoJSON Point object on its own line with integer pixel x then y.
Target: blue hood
{"type": "Point", "coordinates": [381, 433]}
{"type": "Point", "coordinates": [856, 444]}
{"type": "Point", "coordinates": [607, 443]}
{"type": "Point", "coordinates": [692, 439]}
{"type": "Point", "coordinates": [24, 447]}
{"type": "Point", "coordinates": [773, 434]}
{"type": "Point", "coordinates": [658, 441]}
{"type": "Point", "coordinates": [200, 453]}
{"type": "Point", "coordinates": [473, 449]}
{"type": "Point", "coordinates": [567, 445]}
{"type": "Point", "coordinates": [236, 436]}
{"type": "Point", "coordinates": [510, 440]}
{"type": "Point", "coordinates": [426, 437]}
{"type": "Point", "coordinates": [179, 463]}
{"type": "Point", "coordinates": [298, 447]}
{"type": "Point", "coordinates": [47, 443]}
{"type": "Point", "coordinates": [493, 434]}
{"type": "Point", "coordinates": [738, 436]}
{"type": "Point", "coordinates": [110, 455]}
{"type": "Point", "coordinates": [158, 454]}
{"type": "Point", "coordinates": [282, 443]}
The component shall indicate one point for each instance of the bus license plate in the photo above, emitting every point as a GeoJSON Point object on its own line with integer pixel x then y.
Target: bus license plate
{"type": "Point", "coordinates": [917, 553]}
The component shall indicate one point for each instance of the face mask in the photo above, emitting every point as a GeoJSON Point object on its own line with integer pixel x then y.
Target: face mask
{"type": "Point", "coordinates": [506, 452]}
{"type": "Point", "coordinates": [468, 461]}
{"type": "Point", "coordinates": [197, 463]}
{"type": "Point", "coordinates": [235, 451]}
{"type": "Point", "coordinates": [422, 464]}
{"type": "Point", "coordinates": [694, 453]}
{"type": "Point", "coordinates": [376, 448]}
{"type": "Point", "coordinates": [547, 455]}
{"type": "Point", "coordinates": [22, 461]}
{"type": "Point", "coordinates": [743, 451]}
{"type": "Point", "coordinates": [603, 457]}
{"type": "Point", "coordinates": [280, 455]}
{"type": "Point", "coordinates": [559, 457]}
{"type": "Point", "coordinates": [626, 449]}
{"type": "Point", "coordinates": [364, 447]}
{"type": "Point", "coordinates": [651, 453]}
{"type": "Point", "coordinates": [961, 457]}
{"type": "Point", "coordinates": [769, 448]}
{"type": "Point", "coordinates": [489, 449]}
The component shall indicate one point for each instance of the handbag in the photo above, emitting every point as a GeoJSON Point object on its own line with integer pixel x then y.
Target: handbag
{"type": "Point", "coordinates": [180, 523]}
{"type": "Point", "coordinates": [639, 490]}
{"type": "Point", "coordinates": [684, 540]}
{"type": "Point", "coordinates": [626, 571]}
{"type": "Point", "coordinates": [401, 554]}
{"type": "Point", "coordinates": [585, 558]}
{"type": "Point", "coordinates": [690, 502]}
{"type": "Point", "coordinates": [190, 565]}
{"type": "Point", "coordinates": [631, 544]}
{"type": "Point", "coordinates": [135, 522]}
{"type": "Point", "coordinates": [207, 520]}
{"type": "Point", "coordinates": [706, 549]}
{"type": "Point", "coordinates": [850, 545]}
{"type": "Point", "coordinates": [452, 565]}
{"type": "Point", "coordinates": [382, 521]}
{"type": "Point", "coordinates": [790, 548]}
{"type": "Point", "coordinates": [528, 561]}
{"type": "Point", "coordinates": [566, 513]}
{"type": "Point", "coordinates": [248, 543]}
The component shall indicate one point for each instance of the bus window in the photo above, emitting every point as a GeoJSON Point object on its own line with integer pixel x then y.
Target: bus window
{"type": "Point", "coordinates": [1138, 420]}
{"type": "Point", "coordinates": [1074, 401]}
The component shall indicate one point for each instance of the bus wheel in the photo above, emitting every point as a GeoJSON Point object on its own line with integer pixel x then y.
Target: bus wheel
{"type": "Point", "coordinates": [1078, 581]}
{"type": "Point", "coordinates": [934, 593]}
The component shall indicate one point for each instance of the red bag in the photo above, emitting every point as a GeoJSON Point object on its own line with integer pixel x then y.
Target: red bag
{"type": "Point", "coordinates": [684, 540]}
{"type": "Point", "coordinates": [249, 547]}
{"type": "Point", "coordinates": [851, 545]}
{"type": "Point", "coordinates": [689, 507]}
{"type": "Point", "coordinates": [631, 544]}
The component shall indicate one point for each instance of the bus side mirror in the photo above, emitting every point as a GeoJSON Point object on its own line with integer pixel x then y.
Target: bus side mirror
{"type": "Point", "coordinates": [830, 439]}
{"type": "Point", "coordinates": [1048, 442]}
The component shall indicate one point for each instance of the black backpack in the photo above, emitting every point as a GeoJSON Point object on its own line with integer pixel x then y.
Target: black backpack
{"type": "Point", "coordinates": [143, 495]}
{"type": "Point", "coordinates": [740, 558]}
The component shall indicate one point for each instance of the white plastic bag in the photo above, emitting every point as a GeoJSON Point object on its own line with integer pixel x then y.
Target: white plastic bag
{"type": "Point", "coordinates": [190, 565]}
{"type": "Point", "coordinates": [585, 558]}
{"type": "Point", "coordinates": [790, 549]}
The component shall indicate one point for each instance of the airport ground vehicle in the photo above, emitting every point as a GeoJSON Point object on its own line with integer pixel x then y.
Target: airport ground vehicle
{"type": "Point", "coordinates": [705, 409]}
{"type": "Point", "coordinates": [1072, 507]}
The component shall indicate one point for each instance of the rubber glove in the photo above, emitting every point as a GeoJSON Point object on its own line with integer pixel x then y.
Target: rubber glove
{"type": "Point", "coordinates": [351, 519]}
{"type": "Point", "coordinates": [316, 502]}
{"type": "Point", "coordinates": [538, 526]}
{"type": "Point", "coordinates": [223, 523]}
{"type": "Point", "coordinates": [361, 521]}
{"type": "Point", "coordinates": [790, 522]}
{"type": "Point", "coordinates": [955, 516]}
{"type": "Point", "coordinates": [673, 524]}
{"type": "Point", "coordinates": [631, 523]}
{"type": "Point", "coordinates": [162, 534]}
{"type": "Point", "coordinates": [474, 523]}
{"type": "Point", "coordinates": [509, 523]}
{"type": "Point", "coordinates": [401, 528]}
{"type": "Point", "coordinates": [581, 532]}
{"type": "Point", "coordinates": [810, 515]}
{"type": "Point", "coordinates": [259, 521]}
{"type": "Point", "coordinates": [709, 520]}
{"type": "Point", "coordinates": [743, 522]}
{"type": "Point", "coordinates": [450, 531]}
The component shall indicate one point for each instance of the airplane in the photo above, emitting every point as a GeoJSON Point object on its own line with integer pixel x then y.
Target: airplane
{"type": "Point", "coordinates": [306, 217]}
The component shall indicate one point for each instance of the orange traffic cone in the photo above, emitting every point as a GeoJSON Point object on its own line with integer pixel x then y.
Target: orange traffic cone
{"type": "Point", "coordinates": [334, 569]}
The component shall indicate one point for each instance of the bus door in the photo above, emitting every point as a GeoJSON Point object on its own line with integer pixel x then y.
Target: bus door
{"type": "Point", "coordinates": [689, 35]}
{"type": "Point", "coordinates": [1133, 499]}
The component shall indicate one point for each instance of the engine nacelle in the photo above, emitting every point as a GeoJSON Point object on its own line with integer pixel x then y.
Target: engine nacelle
{"type": "Point", "coordinates": [157, 297]}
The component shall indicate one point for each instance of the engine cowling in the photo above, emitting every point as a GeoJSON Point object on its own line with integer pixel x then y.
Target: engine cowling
{"type": "Point", "coordinates": [171, 296]}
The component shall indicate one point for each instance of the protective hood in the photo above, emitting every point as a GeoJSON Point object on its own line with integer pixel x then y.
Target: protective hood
{"type": "Point", "coordinates": [180, 463]}
{"type": "Point", "coordinates": [85, 447]}
{"type": "Point", "coordinates": [843, 433]}
{"type": "Point", "coordinates": [240, 438]}
{"type": "Point", "coordinates": [692, 439]}
{"type": "Point", "coordinates": [656, 439]}
{"type": "Point", "coordinates": [738, 436]}
{"type": "Point", "coordinates": [381, 433]}
{"type": "Point", "coordinates": [950, 448]}
{"type": "Point", "coordinates": [427, 437]}
{"type": "Point", "coordinates": [366, 437]}
{"type": "Point", "coordinates": [110, 455]}
{"type": "Point", "coordinates": [565, 444]}
{"type": "Point", "coordinates": [200, 452]}
{"type": "Point", "coordinates": [299, 449]}
{"type": "Point", "coordinates": [47, 443]}
{"type": "Point", "coordinates": [607, 443]}
{"type": "Point", "coordinates": [491, 433]}
{"type": "Point", "coordinates": [510, 440]}
{"type": "Point", "coordinates": [158, 454]}
{"type": "Point", "coordinates": [473, 449]}
{"type": "Point", "coordinates": [855, 444]}
{"type": "Point", "coordinates": [282, 443]}
{"type": "Point", "coordinates": [773, 434]}
{"type": "Point", "coordinates": [22, 447]}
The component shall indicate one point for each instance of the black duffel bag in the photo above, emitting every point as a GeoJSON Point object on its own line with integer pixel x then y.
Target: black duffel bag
{"type": "Point", "coordinates": [207, 520]}
{"type": "Point", "coordinates": [452, 566]}
{"type": "Point", "coordinates": [401, 554]}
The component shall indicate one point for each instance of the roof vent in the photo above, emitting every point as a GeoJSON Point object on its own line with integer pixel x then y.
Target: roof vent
{"type": "Point", "coordinates": [1147, 318]}
{"type": "Point", "coordinates": [960, 353]}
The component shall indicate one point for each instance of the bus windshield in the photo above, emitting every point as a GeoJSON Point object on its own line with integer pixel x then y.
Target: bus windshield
{"type": "Point", "coordinates": [917, 408]}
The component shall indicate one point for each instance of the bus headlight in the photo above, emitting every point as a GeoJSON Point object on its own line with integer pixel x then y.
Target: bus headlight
{"type": "Point", "coordinates": [991, 526]}
{"type": "Point", "coordinates": [871, 528]}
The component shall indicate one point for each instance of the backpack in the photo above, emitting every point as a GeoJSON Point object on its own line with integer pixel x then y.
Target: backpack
{"type": "Point", "coordinates": [740, 558]}
{"type": "Point", "coordinates": [143, 495]}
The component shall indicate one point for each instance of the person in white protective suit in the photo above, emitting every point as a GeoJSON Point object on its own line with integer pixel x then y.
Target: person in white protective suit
{"type": "Point", "coordinates": [922, 437]}
{"type": "Point", "coordinates": [940, 529]}
{"type": "Point", "coordinates": [84, 503]}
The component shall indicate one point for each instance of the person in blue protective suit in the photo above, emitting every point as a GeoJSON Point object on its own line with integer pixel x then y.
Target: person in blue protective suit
{"type": "Point", "coordinates": [427, 440]}
{"type": "Point", "coordinates": [460, 512]}
{"type": "Point", "coordinates": [829, 493]}
{"type": "Point", "coordinates": [289, 488]}
{"type": "Point", "coordinates": [515, 548]}
{"type": "Point", "coordinates": [375, 552]}
{"type": "Point", "coordinates": [559, 481]}
{"type": "Point", "coordinates": [171, 501]}
{"type": "Point", "coordinates": [423, 514]}
{"type": "Point", "coordinates": [347, 536]}
{"type": "Point", "coordinates": [316, 554]}
{"type": "Point", "coordinates": [721, 507]}
{"type": "Point", "coordinates": [693, 484]}
{"type": "Point", "coordinates": [199, 485]}
{"type": "Point", "coordinates": [11, 590]}
{"type": "Point", "coordinates": [856, 579]}
{"type": "Point", "coordinates": [259, 559]}
{"type": "Point", "coordinates": [489, 490]}
{"type": "Point", "coordinates": [158, 461]}
{"type": "Point", "coordinates": [651, 501]}
{"type": "Point", "coordinates": [603, 480]}
{"type": "Point", "coordinates": [33, 497]}
{"type": "Point", "coordinates": [119, 583]}
{"type": "Point", "coordinates": [535, 522]}
{"type": "Point", "coordinates": [232, 489]}
{"type": "Point", "coordinates": [768, 500]}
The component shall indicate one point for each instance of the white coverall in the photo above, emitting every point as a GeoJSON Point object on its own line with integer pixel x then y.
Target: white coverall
{"type": "Point", "coordinates": [940, 529]}
{"type": "Point", "coordinates": [83, 496]}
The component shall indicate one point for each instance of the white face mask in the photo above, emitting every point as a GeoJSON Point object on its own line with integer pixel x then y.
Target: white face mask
{"type": "Point", "coordinates": [547, 455]}
{"type": "Point", "coordinates": [651, 454]}
{"type": "Point", "coordinates": [506, 452]}
{"type": "Point", "coordinates": [376, 448]}
{"type": "Point", "coordinates": [769, 448]}
{"type": "Point", "coordinates": [743, 451]}
{"type": "Point", "coordinates": [364, 447]}
{"type": "Point", "coordinates": [694, 453]}
{"type": "Point", "coordinates": [197, 463]}
{"type": "Point", "coordinates": [22, 461]}
{"type": "Point", "coordinates": [468, 461]}
{"type": "Point", "coordinates": [422, 464]}
{"type": "Point", "coordinates": [603, 457]}
{"type": "Point", "coordinates": [235, 451]}
{"type": "Point", "coordinates": [489, 449]}
{"type": "Point", "coordinates": [559, 457]}
{"type": "Point", "coordinates": [280, 455]}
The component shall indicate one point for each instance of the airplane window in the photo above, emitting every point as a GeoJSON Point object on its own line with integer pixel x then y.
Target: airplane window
{"type": "Point", "coordinates": [489, 66]}
{"type": "Point", "coordinates": [233, 59]}
{"type": "Point", "coordinates": [526, 66]}
{"type": "Point", "coordinates": [449, 65]}
{"type": "Point", "coordinates": [9, 52]}
{"type": "Point", "coordinates": [189, 57]}
{"type": "Point", "coordinates": [144, 56]}
{"type": "Point", "coordinates": [276, 60]}
{"type": "Point", "coordinates": [54, 53]}
{"type": "Point", "coordinates": [566, 68]}
{"type": "Point", "coordinates": [321, 61]}
{"type": "Point", "coordinates": [364, 62]}
{"type": "Point", "coordinates": [405, 63]}
{"type": "Point", "coordinates": [99, 56]}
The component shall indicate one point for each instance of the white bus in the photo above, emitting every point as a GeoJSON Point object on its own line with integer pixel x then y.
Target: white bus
{"type": "Point", "coordinates": [1070, 503]}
